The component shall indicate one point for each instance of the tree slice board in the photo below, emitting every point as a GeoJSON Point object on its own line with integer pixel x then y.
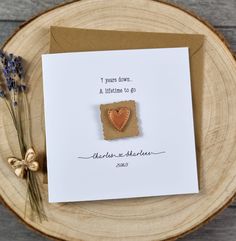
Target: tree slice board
{"type": "Point", "coordinates": [155, 218]}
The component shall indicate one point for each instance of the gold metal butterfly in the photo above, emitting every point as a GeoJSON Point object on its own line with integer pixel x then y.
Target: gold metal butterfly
{"type": "Point", "coordinates": [28, 163]}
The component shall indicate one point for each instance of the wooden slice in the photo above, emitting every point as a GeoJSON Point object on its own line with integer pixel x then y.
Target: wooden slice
{"type": "Point", "coordinates": [157, 218]}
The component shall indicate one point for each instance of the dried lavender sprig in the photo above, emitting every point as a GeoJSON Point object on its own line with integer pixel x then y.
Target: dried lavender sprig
{"type": "Point", "coordinates": [10, 90]}
{"type": "Point", "coordinates": [13, 84]}
{"type": "Point", "coordinates": [2, 93]}
{"type": "Point", "coordinates": [13, 74]}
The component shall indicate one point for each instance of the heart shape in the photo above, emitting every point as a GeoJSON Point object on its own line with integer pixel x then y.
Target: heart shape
{"type": "Point", "coordinates": [119, 117]}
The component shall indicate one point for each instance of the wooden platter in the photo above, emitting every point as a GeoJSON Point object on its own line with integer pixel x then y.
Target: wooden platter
{"type": "Point", "coordinates": [157, 218]}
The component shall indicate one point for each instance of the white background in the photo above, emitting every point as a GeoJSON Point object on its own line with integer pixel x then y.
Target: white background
{"type": "Point", "coordinates": [73, 126]}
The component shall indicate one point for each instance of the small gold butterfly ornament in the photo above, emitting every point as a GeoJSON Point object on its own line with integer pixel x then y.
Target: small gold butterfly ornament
{"type": "Point", "coordinates": [28, 163]}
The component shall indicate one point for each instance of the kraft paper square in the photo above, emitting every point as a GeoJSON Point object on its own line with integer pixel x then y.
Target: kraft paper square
{"type": "Point", "coordinates": [130, 129]}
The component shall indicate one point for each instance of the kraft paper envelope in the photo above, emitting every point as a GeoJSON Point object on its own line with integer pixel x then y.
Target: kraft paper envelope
{"type": "Point", "coordinates": [63, 39]}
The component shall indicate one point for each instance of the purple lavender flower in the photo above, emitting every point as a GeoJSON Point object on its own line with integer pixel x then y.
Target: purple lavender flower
{"type": "Point", "coordinates": [2, 94]}
{"type": "Point", "coordinates": [12, 70]}
{"type": "Point", "coordinates": [10, 83]}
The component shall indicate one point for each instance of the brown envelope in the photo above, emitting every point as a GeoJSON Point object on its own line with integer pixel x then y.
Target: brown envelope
{"type": "Point", "coordinates": [64, 39]}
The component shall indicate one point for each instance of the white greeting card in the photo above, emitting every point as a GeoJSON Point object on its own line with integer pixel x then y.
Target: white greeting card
{"type": "Point", "coordinates": [160, 160]}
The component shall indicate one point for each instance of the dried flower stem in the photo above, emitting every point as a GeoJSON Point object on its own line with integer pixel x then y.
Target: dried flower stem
{"type": "Point", "coordinates": [27, 118]}
{"type": "Point", "coordinates": [33, 191]}
{"type": "Point", "coordinates": [13, 92]}
{"type": "Point", "coordinates": [19, 131]}
{"type": "Point", "coordinates": [34, 196]}
{"type": "Point", "coordinates": [11, 111]}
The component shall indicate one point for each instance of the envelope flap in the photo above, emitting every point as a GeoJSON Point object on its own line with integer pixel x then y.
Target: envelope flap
{"type": "Point", "coordinates": [63, 39]}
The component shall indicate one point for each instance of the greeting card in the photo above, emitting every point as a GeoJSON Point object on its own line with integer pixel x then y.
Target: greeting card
{"type": "Point", "coordinates": [119, 124]}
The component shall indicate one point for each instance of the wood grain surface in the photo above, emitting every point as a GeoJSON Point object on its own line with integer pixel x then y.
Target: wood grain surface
{"type": "Point", "coordinates": [218, 12]}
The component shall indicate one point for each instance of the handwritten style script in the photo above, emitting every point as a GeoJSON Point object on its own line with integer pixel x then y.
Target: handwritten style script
{"type": "Point", "coordinates": [129, 153]}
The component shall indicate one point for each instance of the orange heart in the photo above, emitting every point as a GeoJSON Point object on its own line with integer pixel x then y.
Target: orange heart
{"type": "Point", "coordinates": [119, 117]}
